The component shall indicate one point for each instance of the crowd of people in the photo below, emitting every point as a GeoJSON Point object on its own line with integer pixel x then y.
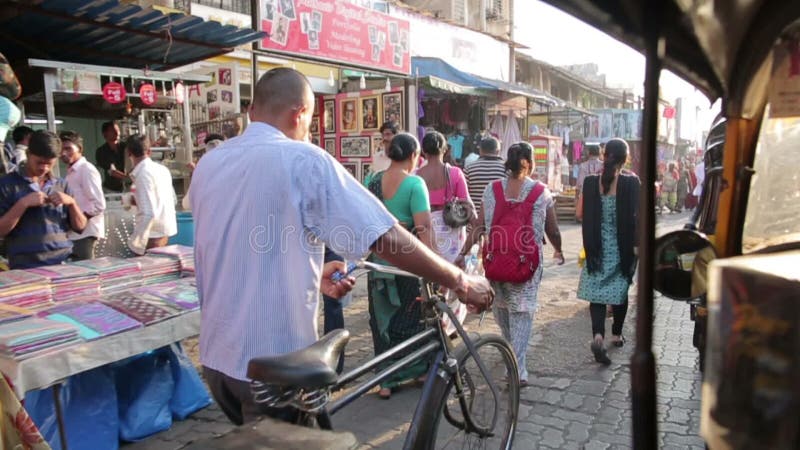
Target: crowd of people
{"type": "Point", "coordinates": [294, 221]}
{"type": "Point", "coordinates": [679, 185]}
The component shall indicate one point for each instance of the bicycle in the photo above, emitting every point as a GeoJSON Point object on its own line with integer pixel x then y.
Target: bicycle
{"type": "Point", "coordinates": [453, 389]}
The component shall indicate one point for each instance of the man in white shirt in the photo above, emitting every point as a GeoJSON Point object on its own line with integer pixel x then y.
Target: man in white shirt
{"type": "Point", "coordinates": [380, 161]}
{"type": "Point", "coordinates": [87, 188]}
{"type": "Point", "coordinates": [700, 175]}
{"type": "Point", "coordinates": [154, 196]}
{"type": "Point", "coordinates": [264, 210]}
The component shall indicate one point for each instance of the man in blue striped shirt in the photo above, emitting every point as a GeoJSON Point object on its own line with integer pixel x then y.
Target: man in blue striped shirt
{"type": "Point", "coordinates": [265, 205]}
{"type": "Point", "coordinates": [36, 208]}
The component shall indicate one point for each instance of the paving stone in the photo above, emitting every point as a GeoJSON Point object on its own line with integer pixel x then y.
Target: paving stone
{"type": "Point", "coordinates": [675, 428]}
{"type": "Point", "coordinates": [217, 428]}
{"type": "Point", "coordinates": [552, 437]}
{"type": "Point", "coordinates": [678, 415]}
{"type": "Point", "coordinates": [589, 387]}
{"type": "Point", "coordinates": [572, 445]}
{"type": "Point", "coordinates": [603, 428]}
{"type": "Point", "coordinates": [574, 416]}
{"type": "Point", "coordinates": [572, 401]}
{"type": "Point", "coordinates": [684, 440]}
{"type": "Point", "coordinates": [591, 404]}
{"type": "Point", "coordinates": [548, 421]}
{"type": "Point", "coordinates": [526, 440]}
{"type": "Point", "coordinates": [578, 432]}
{"type": "Point", "coordinates": [613, 439]}
{"type": "Point", "coordinates": [178, 429]}
{"type": "Point", "coordinates": [595, 445]}
{"type": "Point", "coordinates": [608, 414]}
{"type": "Point", "coordinates": [531, 428]}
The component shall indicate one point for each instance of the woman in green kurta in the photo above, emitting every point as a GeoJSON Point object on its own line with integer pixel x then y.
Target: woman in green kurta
{"type": "Point", "coordinates": [608, 207]}
{"type": "Point", "coordinates": [395, 315]}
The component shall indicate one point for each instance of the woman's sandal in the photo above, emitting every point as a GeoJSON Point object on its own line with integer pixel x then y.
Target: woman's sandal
{"type": "Point", "coordinates": [618, 341]}
{"type": "Point", "coordinates": [600, 354]}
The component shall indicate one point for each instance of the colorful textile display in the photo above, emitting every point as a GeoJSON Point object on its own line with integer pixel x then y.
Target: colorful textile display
{"type": "Point", "coordinates": [70, 282]}
{"type": "Point", "coordinates": [143, 307]}
{"type": "Point", "coordinates": [158, 269]}
{"type": "Point", "coordinates": [181, 292]}
{"type": "Point", "coordinates": [94, 319]}
{"type": "Point", "coordinates": [17, 430]}
{"type": "Point", "coordinates": [116, 274]}
{"type": "Point", "coordinates": [10, 313]}
{"type": "Point", "coordinates": [182, 253]}
{"type": "Point", "coordinates": [28, 337]}
{"type": "Point", "coordinates": [25, 289]}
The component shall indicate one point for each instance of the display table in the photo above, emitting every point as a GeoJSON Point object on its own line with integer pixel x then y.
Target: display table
{"type": "Point", "coordinates": [50, 368]}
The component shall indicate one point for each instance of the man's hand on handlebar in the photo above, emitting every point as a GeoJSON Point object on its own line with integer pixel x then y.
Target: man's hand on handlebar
{"type": "Point", "coordinates": [333, 288]}
{"type": "Point", "coordinates": [476, 292]}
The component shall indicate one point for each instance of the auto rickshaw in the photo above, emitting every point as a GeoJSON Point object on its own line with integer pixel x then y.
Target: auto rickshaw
{"type": "Point", "coordinates": [746, 53]}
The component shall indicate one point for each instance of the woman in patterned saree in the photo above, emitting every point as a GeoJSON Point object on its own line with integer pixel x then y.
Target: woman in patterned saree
{"type": "Point", "coordinates": [394, 313]}
{"type": "Point", "coordinates": [608, 209]}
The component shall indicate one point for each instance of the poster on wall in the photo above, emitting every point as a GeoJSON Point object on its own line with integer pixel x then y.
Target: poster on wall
{"type": "Point", "coordinates": [336, 31]}
{"type": "Point", "coordinates": [370, 112]}
{"type": "Point", "coordinates": [349, 115]}
{"type": "Point", "coordinates": [784, 86]}
{"type": "Point", "coordinates": [393, 108]}
{"type": "Point", "coordinates": [217, 98]}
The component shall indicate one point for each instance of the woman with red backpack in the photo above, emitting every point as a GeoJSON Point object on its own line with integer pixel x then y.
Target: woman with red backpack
{"type": "Point", "coordinates": [516, 214]}
{"type": "Point", "coordinates": [608, 208]}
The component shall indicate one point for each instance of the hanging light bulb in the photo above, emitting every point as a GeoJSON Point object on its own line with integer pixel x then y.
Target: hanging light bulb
{"type": "Point", "coordinates": [388, 86]}
{"type": "Point", "coordinates": [331, 81]}
{"type": "Point", "coordinates": [362, 83]}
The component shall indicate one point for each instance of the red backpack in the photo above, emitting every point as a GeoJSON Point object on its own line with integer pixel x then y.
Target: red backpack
{"type": "Point", "coordinates": [511, 252]}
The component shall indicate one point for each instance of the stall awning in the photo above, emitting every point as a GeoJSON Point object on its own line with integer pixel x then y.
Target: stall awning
{"type": "Point", "coordinates": [110, 33]}
{"type": "Point", "coordinates": [443, 76]}
{"type": "Point", "coordinates": [440, 75]}
{"type": "Point", "coordinates": [525, 91]}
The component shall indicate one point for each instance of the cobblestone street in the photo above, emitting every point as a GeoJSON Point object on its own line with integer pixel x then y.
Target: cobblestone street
{"type": "Point", "coordinates": [572, 402]}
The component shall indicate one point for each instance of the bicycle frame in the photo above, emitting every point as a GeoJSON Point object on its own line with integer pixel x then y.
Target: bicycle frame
{"type": "Point", "coordinates": [436, 341]}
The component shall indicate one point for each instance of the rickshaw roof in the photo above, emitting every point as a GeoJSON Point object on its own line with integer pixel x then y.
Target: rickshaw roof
{"type": "Point", "coordinates": [717, 45]}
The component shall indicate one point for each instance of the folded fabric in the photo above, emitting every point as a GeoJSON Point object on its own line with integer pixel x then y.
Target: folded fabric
{"type": "Point", "coordinates": [181, 292]}
{"type": "Point", "coordinates": [10, 313]}
{"type": "Point", "coordinates": [142, 308]}
{"type": "Point", "coordinates": [102, 319]}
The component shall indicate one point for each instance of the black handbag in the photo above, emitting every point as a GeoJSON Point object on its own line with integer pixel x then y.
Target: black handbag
{"type": "Point", "coordinates": [456, 212]}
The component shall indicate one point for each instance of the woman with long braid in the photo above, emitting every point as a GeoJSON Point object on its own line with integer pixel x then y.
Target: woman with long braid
{"type": "Point", "coordinates": [608, 208]}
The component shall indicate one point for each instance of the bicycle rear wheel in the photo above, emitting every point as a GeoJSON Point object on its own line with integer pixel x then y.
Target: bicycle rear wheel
{"type": "Point", "coordinates": [447, 426]}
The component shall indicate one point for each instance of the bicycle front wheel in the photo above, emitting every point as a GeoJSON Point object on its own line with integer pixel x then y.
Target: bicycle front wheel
{"type": "Point", "coordinates": [494, 417]}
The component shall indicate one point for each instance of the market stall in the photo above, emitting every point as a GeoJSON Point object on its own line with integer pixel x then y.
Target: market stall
{"type": "Point", "coordinates": [96, 333]}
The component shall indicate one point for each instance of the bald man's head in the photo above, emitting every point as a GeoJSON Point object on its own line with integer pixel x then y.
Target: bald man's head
{"type": "Point", "coordinates": [284, 99]}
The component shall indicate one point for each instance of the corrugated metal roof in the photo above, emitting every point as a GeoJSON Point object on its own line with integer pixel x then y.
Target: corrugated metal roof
{"type": "Point", "coordinates": [108, 33]}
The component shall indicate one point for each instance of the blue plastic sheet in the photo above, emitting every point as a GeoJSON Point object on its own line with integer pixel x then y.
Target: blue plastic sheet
{"type": "Point", "coordinates": [89, 406]}
{"type": "Point", "coordinates": [190, 392]}
{"type": "Point", "coordinates": [144, 389]}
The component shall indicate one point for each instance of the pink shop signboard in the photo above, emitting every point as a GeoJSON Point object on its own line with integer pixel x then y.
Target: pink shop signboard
{"type": "Point", "coordinates": [336, 31]}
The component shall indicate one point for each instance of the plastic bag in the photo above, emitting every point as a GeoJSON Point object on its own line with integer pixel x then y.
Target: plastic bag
{"type": "Point", "coordinates": [89, 406]}
{"type": "Point", "coordinates": [144, 389]}
{"type": "Point", "coordinates": [190, 392]}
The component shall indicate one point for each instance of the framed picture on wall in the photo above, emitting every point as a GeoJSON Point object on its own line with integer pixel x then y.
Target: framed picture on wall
{"type": "Point", "coordinates": [352, 167]}
{"type": "Point", "coordinates": [355, 146]}
{"type": "Point", "coordinates": [315, 139]}
{"type": "Point", "coordinates": [329, 116]}
{"type": "Point", "coordinates": [349, 115]}
{"type": "Point", "coordinates": [330, 146]}
{"type": "Point", "coordinates": [377, 142]}
{"type": "Point", "coordinates": [314, 125]}
{"type": "Point", "coordinates": [370, 113]}
{"type": "Point", "coordinates": [366, 169]}
{"type": "Point", "coordinates": [393, 108]}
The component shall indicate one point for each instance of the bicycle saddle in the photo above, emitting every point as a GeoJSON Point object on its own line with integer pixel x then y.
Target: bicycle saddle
{"type": "Point", "coordinates": [312, 367]}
